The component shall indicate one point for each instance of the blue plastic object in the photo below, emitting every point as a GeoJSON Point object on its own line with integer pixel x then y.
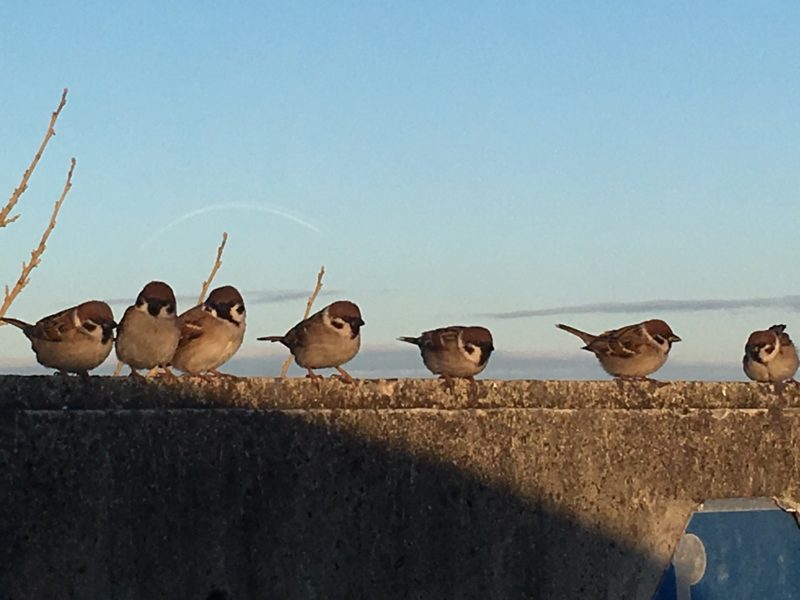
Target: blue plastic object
{"type": "Point", "coordinates": [737, 549]}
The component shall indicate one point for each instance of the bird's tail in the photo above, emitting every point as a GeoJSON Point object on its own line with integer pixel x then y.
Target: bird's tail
{"type": "Point", "coordinates": [271, 338]}
{"type": "Point", "coordinates": [16, 323]}
{"type": "Point", "coordinates": [587, 338]}
{"type": "Point", "coordinates": [410, 340]}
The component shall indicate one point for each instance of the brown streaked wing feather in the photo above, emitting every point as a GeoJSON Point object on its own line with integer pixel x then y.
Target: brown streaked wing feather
{"type": "Point", "coordinates": [438, 339]}
{"type": "Point", "coordinates": [297, 335]}
{"type": "Point", "coordinates": [191, 324]}
{"type": "Point", "coordinates": [617, 342]}
{"type": "Point", "coordinates": [55, 327]}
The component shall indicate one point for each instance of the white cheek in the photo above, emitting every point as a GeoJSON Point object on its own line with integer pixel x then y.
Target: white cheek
{"type": "Point", "coordinates": [768, 356]}
{"type": "Point", "coordinates": [164, 313]}
{"type": "Point", "coordinates": [474, 356]}
{"type": "Point", "coordinates": [238, 317]}
{"type": "Point", "coordinates": [96, 333]}
{"type": "Point", "coordinates": [211, 310]}
{"type": "Point", "coordinates": [341, 327]}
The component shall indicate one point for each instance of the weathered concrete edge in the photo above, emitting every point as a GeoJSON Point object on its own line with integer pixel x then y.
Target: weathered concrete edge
{"type": "Point", "coordinates": [51, 392]}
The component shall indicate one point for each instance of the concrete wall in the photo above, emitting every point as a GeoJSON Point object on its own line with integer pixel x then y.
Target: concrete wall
{"type": "Point", "coordinates": [267, 489]}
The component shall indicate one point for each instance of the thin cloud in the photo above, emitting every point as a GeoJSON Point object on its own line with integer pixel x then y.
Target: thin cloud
{"type": "Point", "coordinates": [649, 306]}
{"type": "Point", "coordinates": [265, 208]}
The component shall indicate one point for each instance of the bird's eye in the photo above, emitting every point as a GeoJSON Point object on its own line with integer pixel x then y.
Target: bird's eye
{"type": "Point", "coordinates": [89, 326]}
{"type": "Point", "coordinates": [337, 324]}
{"type": "Point", "coordinates": [240, 309]}
{"type": "Point", "coordinates": [469, 348]}
{"type": "Point", "coordinates": [769, 349]}
{"type": "Point", "coordinates": [659, 339]}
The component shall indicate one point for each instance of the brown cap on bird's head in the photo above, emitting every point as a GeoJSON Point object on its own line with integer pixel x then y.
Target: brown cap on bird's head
{"type": "Point", "coordinates": [157, 290]}
{"type": "Point", "coordinates": [657, 327]}
{"type": "Point", "coordinates": [344, 309]}
{"type": "Point", "coordinates": [480, 336]}
{"type": "Point", "coordinates": [97, 312]}
{"type": "Point", "coordinates": [226, 294]}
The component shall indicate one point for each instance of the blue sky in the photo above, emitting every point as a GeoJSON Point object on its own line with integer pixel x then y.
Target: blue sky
{"type": "Point", "coordinates": [446, 162]}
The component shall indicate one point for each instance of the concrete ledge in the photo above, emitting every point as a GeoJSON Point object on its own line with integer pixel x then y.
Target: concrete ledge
{"type": "Point", "coordinates": [393, 489]}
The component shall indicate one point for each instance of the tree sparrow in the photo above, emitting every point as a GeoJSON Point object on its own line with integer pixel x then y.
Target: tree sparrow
{"type": "Point", "coordinates": [770, 356]}
{"type": "Point", "coordinates": [328, 338]}
{"type": "Point", "coordinates": [631, 352]}
{"type": "Point", "coordinates": [454, 351]}
{"type": "Point", "coordinates": [211, 332]}
{"type": "Point", "coordinates": [75, 340]}
{"type": "Point", "coordinates": [148, 334]}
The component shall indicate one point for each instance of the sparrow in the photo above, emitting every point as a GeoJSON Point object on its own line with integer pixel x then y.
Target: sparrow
{"type": "Point", "coordinates": [770, 356]}
{"type": "Point", "coordinates": [211, 332]}
{"type": "Point", "coordinates": [148, 333]}
{"type": "Point", "coordinates": [328, 338]}
{"type": "Point", "coordinates": [75, 340]}
{"type": "Point", "coordinates": [454, 351]}
{"type": "Point", "coordinates": [630, 352]}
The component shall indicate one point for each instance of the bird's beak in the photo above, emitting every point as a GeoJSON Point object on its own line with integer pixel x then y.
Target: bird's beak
{"type": "Point", "coordinates": [675, 338]}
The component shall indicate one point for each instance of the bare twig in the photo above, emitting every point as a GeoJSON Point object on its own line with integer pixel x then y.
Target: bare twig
{"type": "Point", "coordinates": [309, 304]}
{"type": "Point", "coordinates": [23, 185]}
{"type": "Point", "coordinates": [214, 269]}
{"type": "Point", "coordinates": [36, 255]}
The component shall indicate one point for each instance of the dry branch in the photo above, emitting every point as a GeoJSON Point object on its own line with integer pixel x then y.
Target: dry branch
{"type": "Point", "coordinates": [23, 185]}
{"type": "Point", "coordinates": [214, 269]}
{"type": "Point", "coordinates": [36, 255]}
{"type": "Point", "coordinates": [309, 304]}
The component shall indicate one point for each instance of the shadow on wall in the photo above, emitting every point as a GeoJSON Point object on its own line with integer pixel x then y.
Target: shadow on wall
{"type": "Point", "coordinates": [234, 505]}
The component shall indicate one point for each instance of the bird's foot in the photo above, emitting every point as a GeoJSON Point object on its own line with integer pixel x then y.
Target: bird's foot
{"type": "Point", "coordinates": [448, 383]}
{"type": "Point", "coordinates": [345, 376]}
{"type": "Point", "coordinates": [220, 375]}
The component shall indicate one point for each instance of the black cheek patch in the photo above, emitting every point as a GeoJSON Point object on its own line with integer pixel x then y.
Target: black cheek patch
{"type": "Point", "coordinates": [486, 352]}
{"type": "Point", "coordinates": [355, 326]}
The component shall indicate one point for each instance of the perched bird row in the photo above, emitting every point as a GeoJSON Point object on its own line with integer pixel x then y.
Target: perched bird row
{"type": "Point", "coordinates": [151, 335]}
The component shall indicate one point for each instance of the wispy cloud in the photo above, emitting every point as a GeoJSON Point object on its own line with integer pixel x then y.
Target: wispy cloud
{"type": "Point", "coordinates": [265, 208]}
{"type": "Point", "coordinates": [649, 306]}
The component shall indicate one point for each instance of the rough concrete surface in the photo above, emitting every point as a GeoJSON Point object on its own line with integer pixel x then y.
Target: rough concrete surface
{"type": "Point", "coordinates": [264, 488]}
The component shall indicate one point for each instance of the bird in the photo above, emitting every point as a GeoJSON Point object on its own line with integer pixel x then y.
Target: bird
{"type": "Point", "coordinates": [211, 333]}
{"type": "Point", "coordinates": [74, 340]}
{"type": "Point", "coordinates": [454, 351]}
{"type": "Point", "coordinates": [327, 339]}
{"type": "Point", "coordinates": [770, 356]}
{"type": "Point", "coordinates": [148, 333]}
{"type": "Point", "coordinates": [630, 352]}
